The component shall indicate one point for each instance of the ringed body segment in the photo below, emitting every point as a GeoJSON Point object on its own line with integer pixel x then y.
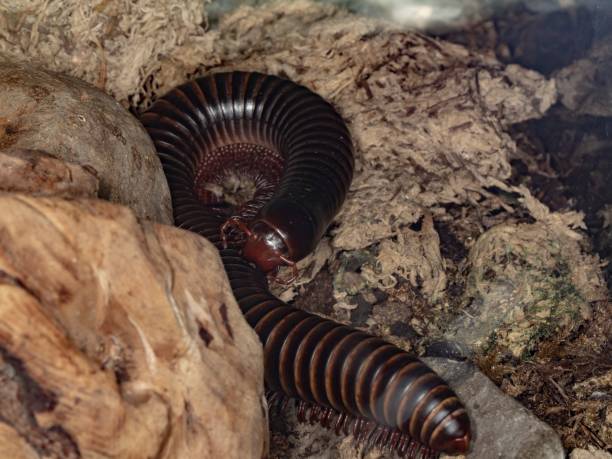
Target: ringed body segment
{"type": "Point", "coordinates": [297, 151]}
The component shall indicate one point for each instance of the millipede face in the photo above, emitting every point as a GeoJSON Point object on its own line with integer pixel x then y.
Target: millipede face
{"type": "Point", "coordinates": [297, 150]}
{"type": "Point", "coordinates": [265, 247]}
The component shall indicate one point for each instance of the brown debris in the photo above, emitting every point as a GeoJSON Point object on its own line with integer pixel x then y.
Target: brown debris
{"type": "Point", "coordinates": [112, 44]}
{"type": "Point", "coordinates": [553, 382]}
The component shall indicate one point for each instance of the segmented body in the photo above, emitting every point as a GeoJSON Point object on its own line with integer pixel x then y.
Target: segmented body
{"type": "Point", "coordinates": [296, 149]}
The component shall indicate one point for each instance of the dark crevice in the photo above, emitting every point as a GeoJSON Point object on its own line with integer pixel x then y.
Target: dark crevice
{"type": "Point", "coordinates": [205, 335]}
{"type": "Point", "coordinates": [20, 398]}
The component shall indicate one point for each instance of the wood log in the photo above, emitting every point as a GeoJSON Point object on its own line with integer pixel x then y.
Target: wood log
{"type": "Point", "coordinates": [120, 339]}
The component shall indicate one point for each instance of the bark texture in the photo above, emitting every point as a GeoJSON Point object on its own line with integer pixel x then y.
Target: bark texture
{"type": "Point", "coordinates": [120, 339]}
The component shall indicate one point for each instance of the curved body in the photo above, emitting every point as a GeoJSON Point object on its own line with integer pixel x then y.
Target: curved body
{"type": "Point", "coordinates": [297, 150]}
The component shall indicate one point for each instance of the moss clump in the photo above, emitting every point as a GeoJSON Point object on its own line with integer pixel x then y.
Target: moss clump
{"type": "Point", "coordinates": [556, 308]}
{"type": "Point", "coordinates": [528, 285]}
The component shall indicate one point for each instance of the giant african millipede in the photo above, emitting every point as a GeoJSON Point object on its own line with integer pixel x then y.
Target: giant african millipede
{"type": "Point", "coordinates": [297, 150]}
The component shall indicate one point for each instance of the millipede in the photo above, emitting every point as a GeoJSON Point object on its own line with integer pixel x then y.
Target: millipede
{"type": "Point", "coordinates": [297, 152]}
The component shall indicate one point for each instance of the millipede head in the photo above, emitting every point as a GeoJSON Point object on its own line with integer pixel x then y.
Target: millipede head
{"type": "Point", "coordinates": [265, 247]}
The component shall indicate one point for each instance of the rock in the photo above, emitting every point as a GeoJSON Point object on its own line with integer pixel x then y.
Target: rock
{"type": "Point", "coordinates": [36, 172]}
{"type": "Point", "coordinates": [120, 339]}
{"type": "Point", "coordinates": [71, 120]}
{"type": "Point", "coordinates": [591, 453]}
{"type": "Point", "coordinates": [502, 427]}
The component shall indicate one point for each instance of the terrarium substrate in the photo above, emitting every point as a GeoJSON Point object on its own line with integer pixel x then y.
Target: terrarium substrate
{"type": "Point", "coordinates": [438, 248]}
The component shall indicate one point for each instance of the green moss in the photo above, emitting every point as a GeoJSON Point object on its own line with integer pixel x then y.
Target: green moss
{"type": "Point", "coordinates": [557, 295]}
{"type": "Point", "coordinates": [490, 344]}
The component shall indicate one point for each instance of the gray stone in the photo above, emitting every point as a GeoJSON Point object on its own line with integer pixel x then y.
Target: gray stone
{"type": "Point", "coordinates": [72, 121]}
{"type": "Point", "coordinates": [501, 426]}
